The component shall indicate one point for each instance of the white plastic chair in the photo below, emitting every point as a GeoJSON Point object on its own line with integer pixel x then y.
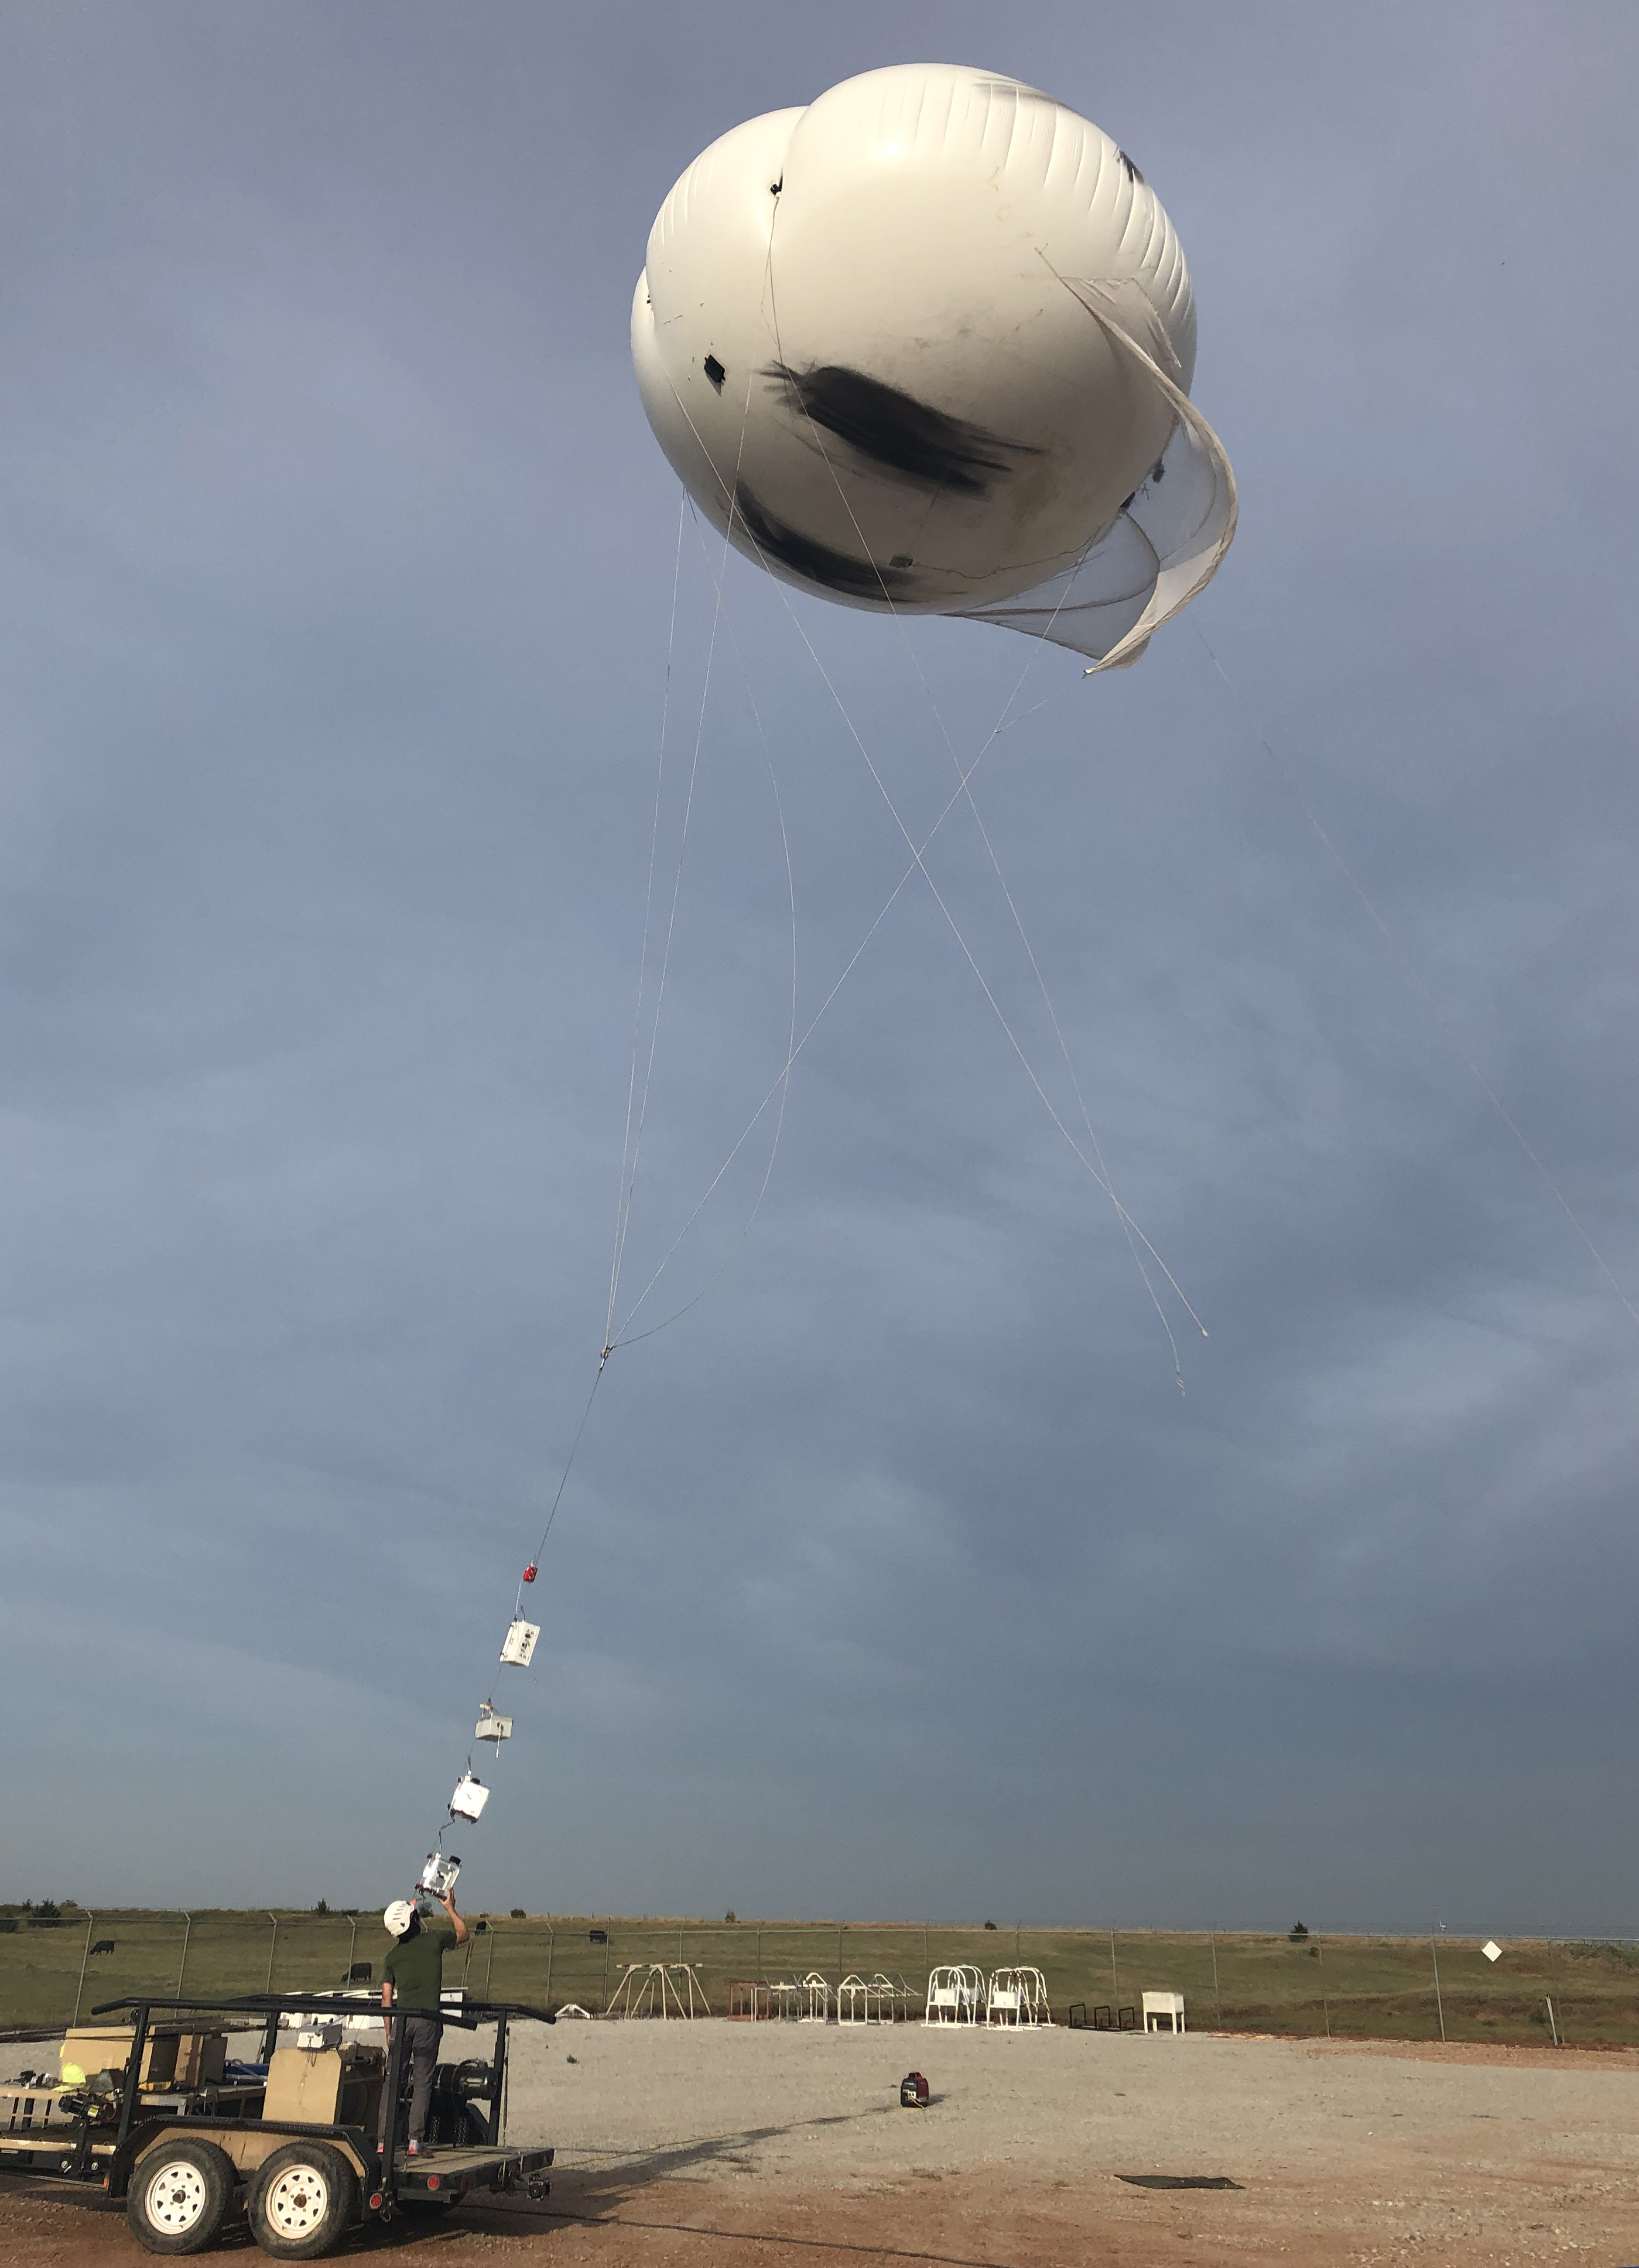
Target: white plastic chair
{"type": "Point", "coordinates": [955, 1995]}
{"type": "Point", "coordinates": [1017, 2000]}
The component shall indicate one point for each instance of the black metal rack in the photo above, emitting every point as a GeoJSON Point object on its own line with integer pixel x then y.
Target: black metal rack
{"type": "Point", "coordinates": [1104, 2019]}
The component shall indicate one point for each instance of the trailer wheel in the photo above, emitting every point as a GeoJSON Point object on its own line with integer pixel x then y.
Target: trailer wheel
{"type": "Point", "coordinates": [303, 2199]}
{"type": "Point", "coordinates": [181, 2194]}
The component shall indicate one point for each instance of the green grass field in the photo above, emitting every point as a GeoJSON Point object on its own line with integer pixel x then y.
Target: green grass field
{"type": "Point", "coordinates": [1352, 1987]}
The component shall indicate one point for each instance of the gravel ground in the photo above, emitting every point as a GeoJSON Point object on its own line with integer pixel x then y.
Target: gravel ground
{"type": "Point", "coordinates": [790, 2101]}
{"type": "Point", "coordinates": [783, 2145]}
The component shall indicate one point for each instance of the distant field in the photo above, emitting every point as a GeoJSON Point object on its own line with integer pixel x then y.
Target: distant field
{"type": "Point", "coordinates": [1353, 1987]}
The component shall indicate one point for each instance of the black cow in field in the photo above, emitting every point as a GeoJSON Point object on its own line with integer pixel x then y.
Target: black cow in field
{"type": "Point", "coordinates": [361, 1973]}
{"type": "Point", "coordinates": [103, 1945]}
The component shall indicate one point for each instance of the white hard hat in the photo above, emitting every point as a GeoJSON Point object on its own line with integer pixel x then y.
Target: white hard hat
{"type": "Point", "coordinates": [398, 1917]}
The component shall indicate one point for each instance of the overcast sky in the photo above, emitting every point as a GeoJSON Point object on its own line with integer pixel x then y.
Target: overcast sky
{"type": "Point", "coordinates": [897, 1577]}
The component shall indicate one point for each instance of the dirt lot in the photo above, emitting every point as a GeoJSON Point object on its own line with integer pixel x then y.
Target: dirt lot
{"type": "Point", "coordinates": [784, 2147]}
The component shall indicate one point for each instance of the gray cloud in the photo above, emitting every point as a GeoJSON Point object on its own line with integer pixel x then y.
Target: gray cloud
{"type": "Point", "coordinates": [897, 1576]}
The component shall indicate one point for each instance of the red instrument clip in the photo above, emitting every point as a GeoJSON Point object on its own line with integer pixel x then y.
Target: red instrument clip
{"type": "Point", "coordinates": [529, 1573]}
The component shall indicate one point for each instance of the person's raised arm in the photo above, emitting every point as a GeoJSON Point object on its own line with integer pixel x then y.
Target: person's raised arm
{"type": "Point", "coordinates": [461, 1931]}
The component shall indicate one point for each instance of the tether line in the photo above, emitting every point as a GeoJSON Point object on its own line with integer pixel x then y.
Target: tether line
{"type": "Point", "coordinates": [1102, 1175]}
{"type": "Point", "coordinates": [916, 864]}
{"type": "Point", "coordinates": [629, 1176]}
{"type": "Point", "coordinates": [1002, 726]}
{"type": "Point", "coordinates": [781, 1085]}
{"type": "Point", "coordinates": [622, 1204]}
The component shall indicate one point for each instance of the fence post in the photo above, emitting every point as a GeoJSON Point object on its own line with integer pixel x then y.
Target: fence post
{"type": "Point", "coordinates": [182, 1965]}
{"type": "Point", "coordinates": [551, 1948]}
{"type": "Point", "coordinates": [1217, 2000]}
{"type": "Point", "coordinates": [1115, 1990]}
{"type": "Point", "coordinates": [1319, 1955]}
{"type": "Point", "coordinates": [79, 1991]}
{"type": "Point", "coordinates": [1438, 2002]}
{"type": "Point", "coordinates": [273, 1945]}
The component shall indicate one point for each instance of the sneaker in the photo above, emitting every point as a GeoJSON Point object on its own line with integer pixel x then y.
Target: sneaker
{"type": "Point", "coordinates": [414, 2149]}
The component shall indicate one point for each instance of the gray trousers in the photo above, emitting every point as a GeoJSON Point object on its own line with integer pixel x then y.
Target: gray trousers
{"type": "Point", "coordinates": [420, 2051]}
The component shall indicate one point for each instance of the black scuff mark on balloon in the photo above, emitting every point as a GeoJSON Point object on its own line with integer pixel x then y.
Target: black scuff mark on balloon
{"type": "Point", "coordinates": [892, 429]}
{"type": "Point", "coordinates": [816, 562]}
{"type": "Point", "coordinates": [715, 371]}
{"type": "Point", "coordinates": [1133, 173]}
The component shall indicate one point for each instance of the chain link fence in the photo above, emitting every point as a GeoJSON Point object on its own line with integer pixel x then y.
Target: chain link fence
{"type": "Point", "coordinates": [1577, 1991]}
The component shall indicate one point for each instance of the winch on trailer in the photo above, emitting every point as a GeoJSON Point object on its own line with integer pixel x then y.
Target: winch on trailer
{"type": "Point", "coordinates": [159, 2117]}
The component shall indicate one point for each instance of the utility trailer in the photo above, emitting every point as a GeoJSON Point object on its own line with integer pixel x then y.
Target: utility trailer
{"type": "Point", "coordinates": [293, 2146]}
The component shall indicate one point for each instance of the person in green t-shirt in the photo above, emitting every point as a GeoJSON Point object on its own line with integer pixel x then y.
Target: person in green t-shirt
{"type": "Point", "coordinates": [412, 1980]}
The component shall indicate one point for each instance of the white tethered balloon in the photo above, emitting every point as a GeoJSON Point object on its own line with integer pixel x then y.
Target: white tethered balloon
{"type": "Point", "coordinates": [926, 347]}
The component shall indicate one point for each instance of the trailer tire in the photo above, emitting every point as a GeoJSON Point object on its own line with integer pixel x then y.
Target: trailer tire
{"type": "Point", "coordinates": [182, 2192]}
{"type": "Point", "coordinates": [303, 2201]}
